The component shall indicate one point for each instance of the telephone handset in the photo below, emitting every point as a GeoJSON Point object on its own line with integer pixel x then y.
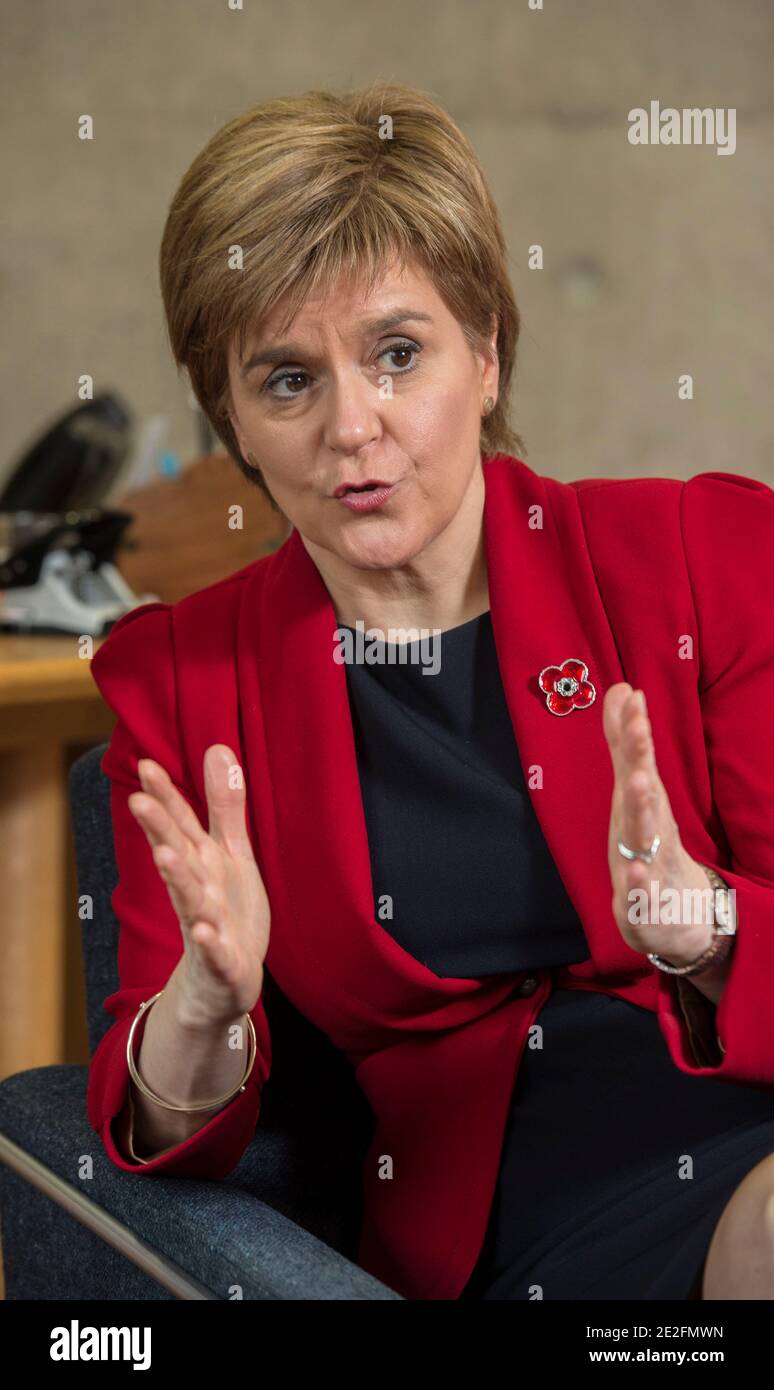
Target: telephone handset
{"type": "Point", "coordinates": [57, 542]}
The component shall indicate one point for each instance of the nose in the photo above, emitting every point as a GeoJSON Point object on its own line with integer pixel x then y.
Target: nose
{"type": "Point", "coordinates": [351, 414]}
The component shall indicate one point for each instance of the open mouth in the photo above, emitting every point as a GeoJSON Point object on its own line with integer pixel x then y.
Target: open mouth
{"type": "Point", "coordinates": [370, 485]}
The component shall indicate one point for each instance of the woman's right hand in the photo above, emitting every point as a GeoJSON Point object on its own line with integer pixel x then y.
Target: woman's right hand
{"type": "Point", "coordinates": [214, 884]}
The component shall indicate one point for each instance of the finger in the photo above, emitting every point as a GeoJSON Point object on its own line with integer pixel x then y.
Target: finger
{"type": "Point", "coordinates": [160, 829]}
{"type": "Point", "coordinates": [631, 742]}
{"type": "Point", "coordinates": [636, 743]}
{"type": "Point", "coordinates": [639, 753]}
{"type": "Point", "coordinates": [620, 707]}
{"type": "Point", "coordinates": [616, 697]}
{"type": "Point", "coordinates": [637, 776]}
{"type": "Point", "coordinates": [638, 821]}
{"type": "Point", "coordinates": [225, 791]}
{"type": "Point", "coordinates": [156, 779]}
{"type": "Point", "coordinates": [189, 895]}
{"type": "Point", "coordinates": [633, 824]}
{"type": "Point", "coordinates": [637, 788]}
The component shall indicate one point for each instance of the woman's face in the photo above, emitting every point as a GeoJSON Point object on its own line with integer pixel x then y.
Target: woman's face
{"type": "Point", "coordinates": [383, 388]}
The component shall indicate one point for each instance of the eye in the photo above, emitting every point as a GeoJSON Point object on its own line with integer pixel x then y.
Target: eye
{"type": "Point", "coordinates": [403, 347]}
{"type": "Point", "coordinates": [273, 381]}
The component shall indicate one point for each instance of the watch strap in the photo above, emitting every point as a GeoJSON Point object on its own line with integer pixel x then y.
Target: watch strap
{"type": "Point", "coordinates": [719, 947]}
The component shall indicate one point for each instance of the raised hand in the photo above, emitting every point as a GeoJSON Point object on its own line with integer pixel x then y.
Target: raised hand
{"type": "Point", "coordinates": [213, 882]}
{"type": "Point", "coordinates": [640, 811]}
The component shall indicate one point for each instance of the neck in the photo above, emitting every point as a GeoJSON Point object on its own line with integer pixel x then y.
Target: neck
{"type": "Point", "coordinates": [442, 587]}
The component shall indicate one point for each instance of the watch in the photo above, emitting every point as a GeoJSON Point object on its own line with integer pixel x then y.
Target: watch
{"type": "Point", "coordinates": [724, 931]}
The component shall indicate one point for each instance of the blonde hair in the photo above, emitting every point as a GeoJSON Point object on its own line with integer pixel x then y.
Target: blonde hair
{"type": "Point", "coordinates": [309, 189]}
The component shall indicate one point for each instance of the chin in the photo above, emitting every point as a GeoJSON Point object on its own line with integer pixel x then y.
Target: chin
{"type": "Point", "coordinates": [382, 548]}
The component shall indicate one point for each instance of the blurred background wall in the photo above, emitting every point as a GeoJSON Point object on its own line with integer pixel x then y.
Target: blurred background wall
{"type": "Point", "coordinates": [657, 260]}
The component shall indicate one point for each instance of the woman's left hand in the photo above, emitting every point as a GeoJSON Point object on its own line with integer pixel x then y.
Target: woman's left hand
{"type": "Point", "coordinates": [640, 811]}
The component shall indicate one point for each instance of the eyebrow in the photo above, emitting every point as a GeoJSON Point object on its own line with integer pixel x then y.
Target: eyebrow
{"type": "Point", "coordinates": [285, 352]}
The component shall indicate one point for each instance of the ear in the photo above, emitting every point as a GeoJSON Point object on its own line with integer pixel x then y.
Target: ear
{"type": "Point", "coordinates": [490, 362]}
{"type": "Point", "coordinates": [228, 410]}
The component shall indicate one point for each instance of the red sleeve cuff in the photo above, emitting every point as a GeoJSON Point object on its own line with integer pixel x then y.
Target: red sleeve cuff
{"type": "Point", "coordinates": [212, 1152]}
{"type": "Point", "coordinates": [743, 1020]}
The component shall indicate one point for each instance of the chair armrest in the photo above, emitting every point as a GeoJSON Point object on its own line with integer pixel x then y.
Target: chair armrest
{"type": "Point", "coordinates": [223, 1237]}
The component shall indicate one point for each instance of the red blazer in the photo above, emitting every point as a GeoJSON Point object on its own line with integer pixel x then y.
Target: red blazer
{"type": "Point", "coordinates": [651, 580]}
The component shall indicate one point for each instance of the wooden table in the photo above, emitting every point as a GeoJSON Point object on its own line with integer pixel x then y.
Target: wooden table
{"type": "Point", "coordinates": [50, 713]}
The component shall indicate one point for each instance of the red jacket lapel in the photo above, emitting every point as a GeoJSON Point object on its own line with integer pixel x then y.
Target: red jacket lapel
{"type": "Point", "coordinates": [546, 608]}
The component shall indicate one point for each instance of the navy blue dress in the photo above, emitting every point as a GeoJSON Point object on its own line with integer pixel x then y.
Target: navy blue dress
{"type": "Point", "coordinates": [615, 1165]}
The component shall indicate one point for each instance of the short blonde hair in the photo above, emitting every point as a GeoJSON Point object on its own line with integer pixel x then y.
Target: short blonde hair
{"type": "Point", "coordinates": [309, 188]}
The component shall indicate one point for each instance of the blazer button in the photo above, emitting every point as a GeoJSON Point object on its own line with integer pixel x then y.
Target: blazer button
{"type": "Point", "coordinates": [528, 986]}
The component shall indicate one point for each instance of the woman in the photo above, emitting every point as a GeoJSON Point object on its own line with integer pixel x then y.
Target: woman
{"type": "Point", "coordinates": [437, 842]}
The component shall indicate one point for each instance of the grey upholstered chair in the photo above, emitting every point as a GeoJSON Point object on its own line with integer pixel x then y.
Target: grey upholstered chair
{"type": "Point", "coordinates": [282, 1225]}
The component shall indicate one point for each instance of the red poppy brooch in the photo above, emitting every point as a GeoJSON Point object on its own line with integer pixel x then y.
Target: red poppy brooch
{"type": "Point", "coordinates": [566, 687]}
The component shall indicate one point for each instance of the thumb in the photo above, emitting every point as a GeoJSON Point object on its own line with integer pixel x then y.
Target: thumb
{"type": "Point", "coordinates": [224, 787]}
